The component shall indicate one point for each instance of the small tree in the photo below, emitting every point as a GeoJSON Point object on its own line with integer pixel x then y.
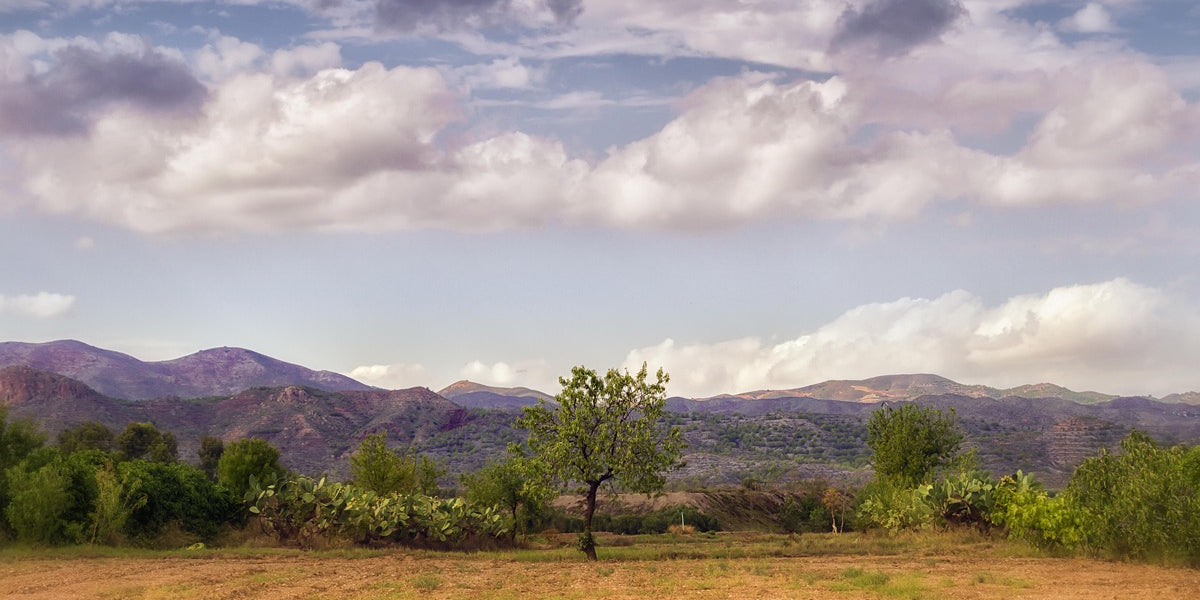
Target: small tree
{"type": "Point", "coordinates": [246, 457]}
{"type": "Point", "coordinates": [515, 485]}
{"type": "Point", "coordinates": [604, 429]}
{"type": "Point", "coordinates": [836, 502]}
{"type": "Point", "coordinates": [144, 440]}
{"type": "Point", "coordinates": [89, 435]}
{"type": "Point", "coordinates": [376, 467]}
{"type": "Point", "coordinates": [211, 449]}
{"type": "Point", "coordinates": [911, 442]}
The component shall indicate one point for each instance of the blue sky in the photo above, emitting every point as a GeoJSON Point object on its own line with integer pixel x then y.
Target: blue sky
{"type": "Point", "coordinates": [756, 194]}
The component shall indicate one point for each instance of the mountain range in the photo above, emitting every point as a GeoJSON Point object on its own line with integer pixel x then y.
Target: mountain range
{"type": "Point", "coordinates": [212, 372]}
{"type": "Point", "coordinates": [317, 418]}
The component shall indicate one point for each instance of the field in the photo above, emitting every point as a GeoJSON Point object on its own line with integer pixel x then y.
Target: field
{"type": "Point", "coordinates": [732, 565]}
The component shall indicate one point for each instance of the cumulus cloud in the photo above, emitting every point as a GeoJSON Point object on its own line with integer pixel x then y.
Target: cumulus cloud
{"type": "Point", "coordinates": [450, 15]}
{"type": "Point", "coordinates": [42, 305]}
{"type": "Point", "coordinates": [498, 74]}
{"type": "Point", "coordinates": [392, 377]}
{"type": "Point", "coordinates": [1116, 336]}
{"type": "Point", "coordinates": [534, 373]}
{"type": "Point", "coordinates": [288, 141]}
{"type": "Point", "coordinates": [83, 81]}
{"type": "Point", "coordinates": [1092, 18]}
{"type": "Point", "coordinates": [891, 27]}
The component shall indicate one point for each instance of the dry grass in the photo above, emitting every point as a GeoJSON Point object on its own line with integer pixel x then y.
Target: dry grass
{"type": "Point", "coordinates": [817, 567]}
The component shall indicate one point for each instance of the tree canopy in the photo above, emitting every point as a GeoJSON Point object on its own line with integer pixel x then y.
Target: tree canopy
{"type": "Point", "coordinates": [604, 429]}
{"type": "Point", "coordinates": [909, 442]}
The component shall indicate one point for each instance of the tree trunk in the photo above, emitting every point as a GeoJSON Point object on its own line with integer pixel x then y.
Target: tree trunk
{"type": "Point", "coordinates": [514, 529]}
{"type": "Point", "coordinates": [586, 542]}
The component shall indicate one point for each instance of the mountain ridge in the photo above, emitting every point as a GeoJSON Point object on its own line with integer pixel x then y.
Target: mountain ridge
{"type": "Point", "coordinates": [210, 372]}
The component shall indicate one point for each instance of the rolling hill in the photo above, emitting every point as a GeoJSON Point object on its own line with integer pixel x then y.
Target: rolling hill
{"type": "Point", "coordinates": [211, 372]}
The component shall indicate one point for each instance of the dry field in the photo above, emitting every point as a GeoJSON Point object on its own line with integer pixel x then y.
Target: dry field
{"type": "Point", "coordinates": [727, 566]}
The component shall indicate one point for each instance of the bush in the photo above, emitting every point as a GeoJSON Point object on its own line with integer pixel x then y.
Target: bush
{"type": "Point", "coordinates": [38, 502]}
{"type": "Point", "coordinates": [246, 458]}
{"type": "Point", "coordinates": [896, 507]}
{"type": "Point", "coordinates": [162, 494]}
{"type": "Point", "coordinates": [1142, 503]}
{"type": "Point", "coordinates": [1025, 511]}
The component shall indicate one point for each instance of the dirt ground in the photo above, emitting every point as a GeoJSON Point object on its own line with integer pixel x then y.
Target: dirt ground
{"type": "Point", "coordinates": [495, 576]}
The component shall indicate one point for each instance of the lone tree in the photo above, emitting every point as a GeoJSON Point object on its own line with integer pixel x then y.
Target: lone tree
{"type": "Point", "coordinates": [604, 429]}
{"type": "Point", "coordinates": [910, 442]}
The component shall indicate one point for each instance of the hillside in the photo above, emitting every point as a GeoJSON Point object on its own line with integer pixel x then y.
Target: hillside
{"type": "Point", "coordinates": [771, 436]}
{"type": "Point", "coordinates": [469, 394]}
{"type": "Point", "coordinates": [314, 429]}
{"type": "Point", "coordinates": [900, 388]}
{"type": "Point", "coordinates": [212, 372]}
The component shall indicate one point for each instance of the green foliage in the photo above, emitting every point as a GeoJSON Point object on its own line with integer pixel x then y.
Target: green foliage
{"type": "Point", "coordinates": [793, 515]}
{"type": "Point", "coordinates": [604, 429]}
{"type": "Point", "coordinates": [89, 435]}
{"type": "Point", "coordinates": [38, 501]}
{"type": "Point", "coordinates": [383, 470]}
{"type": "Point", "coordinates": [516, 485]}
{"type": "Point", "coordinates": [895, 507]}
{"type": "Point", "coordinates": [305, 511]}
{"type": "Point", "coordinates": [17, 440]}
{"type": "Point", "coordinates": [246, 458]}
{"type": "Point", "coordinates": [1142, 503]}
{"type": "Point", "coordinates": [112, 508]}
{"type": "Point", "coordinates": [909, 443]}
{"type": "Point", "coordinates": [1025, 511]}
{"type": "Point", "coordinates": [174, 493]}
{"type": "Point", "coordinates": [209, 453]}
{"type": "Point", "coordinates": [965, 498]}
{"type": "Point", "coordinates": [145, 441]}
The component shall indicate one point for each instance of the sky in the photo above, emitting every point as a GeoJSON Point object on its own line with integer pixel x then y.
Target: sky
{"type": "Point", "coordinates": [750, 194]}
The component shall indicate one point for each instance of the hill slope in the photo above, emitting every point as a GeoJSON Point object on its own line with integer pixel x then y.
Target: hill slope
{"type": "Point", "coordinates": [315, 430]}
{"type": "Point", "coordinates": [213, 372]}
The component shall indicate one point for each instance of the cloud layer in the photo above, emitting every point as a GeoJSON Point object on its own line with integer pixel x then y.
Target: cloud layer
{"type": "Point", "coordinates": [1116, 336]}
{"type": "Point", "coordinates": [233, 137]}
{"type": "Point", "coordinates": [42, 305]}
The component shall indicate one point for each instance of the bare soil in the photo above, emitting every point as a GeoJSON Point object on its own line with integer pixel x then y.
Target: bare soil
{"type": "Point", "coordinates": [406, 574]}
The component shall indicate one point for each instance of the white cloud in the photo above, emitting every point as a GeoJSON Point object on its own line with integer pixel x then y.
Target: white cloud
{"type": "Point", "coordinates": [42, 305]}
{"type": "Point", "coordinates": [304, 61]}
{"type": "Point", "coordinates": [1092, 18]}
{"type": "Point", "coordinates": [280, 147]}
{"type": "Point", "coordinates": [532, 373]}
{"type": "Point", "coordinates": [1116, 336]}
{"type": "Point", "coordinates": [392, 377]}
{"type": "Point", "coordinates": [508, 73]}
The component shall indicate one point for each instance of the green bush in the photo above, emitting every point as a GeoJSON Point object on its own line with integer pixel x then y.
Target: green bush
{"type": "Point", "coordinates": [246, 458]}
{"type": "Point", "coordinates": [1025, 511]}
{"type": "Point", "coordinates": [1141, 503]}
{"type": "Point", "coordinates": [38, 501]}
{"type": "Point", "coordinates": [174, 493]}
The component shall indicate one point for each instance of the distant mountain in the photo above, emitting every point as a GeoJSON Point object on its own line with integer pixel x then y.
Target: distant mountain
{"type": "Point", "coordinates": [1188, 398]}
{"type": "Point", "coordinates": [315, 430]}
{"type": "Point", "coordinates": [213, 372]}
{"type": "Point", "coordinates": [730, 438]}
{"type": "Point", "coordinates": [894, 388]}
{"type": "Point", "coordinates": [469, 394]}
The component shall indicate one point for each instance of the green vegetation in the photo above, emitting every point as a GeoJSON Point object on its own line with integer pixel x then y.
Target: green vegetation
{"type": "Point", "coordinates": [380, 469]}
{"type": "Point", "coordinates": [96, 488]}
{"type": "Point", "coordinates": [515, 485]}
{"type": "Point", "coordinates": [244, 459]}
{"type": "Point", "coordinates": [1143, 503]}
{"type": "Point", "coordinates": [910, 443]}
{"type": "Point", "coordinates": [604, 429]}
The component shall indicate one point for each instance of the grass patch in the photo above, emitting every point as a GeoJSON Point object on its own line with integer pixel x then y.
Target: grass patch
{"type": "Point", "coordinates": [903, 587]}
{"type": "Point", "coordinates": [426, 583]}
